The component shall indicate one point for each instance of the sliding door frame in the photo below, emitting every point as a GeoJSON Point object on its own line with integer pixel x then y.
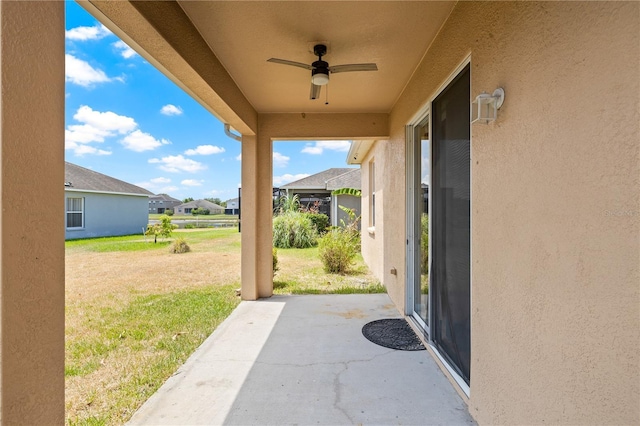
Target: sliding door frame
{"type": "Point", "coordinates": [412, 228]}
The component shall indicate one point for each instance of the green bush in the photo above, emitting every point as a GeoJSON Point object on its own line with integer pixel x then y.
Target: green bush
{"type": "Point", "coordinates": [164, 228]}
{"type": "Point", "coordinates": [168, 212]}
{"type": "Point", "coordinates": [424, 245]}
{"type": "Point", "coordinates": [200, 211]}
{"type": "Point", "coordinates": [180, 246]}
{"type": "Point", "coordinates": [320, 222]}
{"type": "Point", "coordinates": [292, 229]}
{"type": "Point", "coordinates": [275, 261]}
{"type": "Point", "coordinates": [190, 226]}
{"type": "Point", "coordinates": [338, 249]}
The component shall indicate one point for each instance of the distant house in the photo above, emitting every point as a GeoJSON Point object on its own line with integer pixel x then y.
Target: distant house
{"type": "Point", "coordinates": [161, 203]}
{"type": "Point", "coordinates": [233, 206]}
{"type": "Point", "coordinates": [98, 205]}
{"type": "Point", "coordinates": [317, 189]}
{"type": "Point", "coordinates": [187, 208]}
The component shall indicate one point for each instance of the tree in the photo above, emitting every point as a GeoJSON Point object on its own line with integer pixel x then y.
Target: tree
{"type": "Point", "coordinates": [164, 228]}
{"type": "Point", "coordinates": [217, 201]}
{"type": "Point", "coordinates": [188, 199]}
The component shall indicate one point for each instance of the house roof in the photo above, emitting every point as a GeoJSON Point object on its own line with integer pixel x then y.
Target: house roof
{"type": "Point", "coordinates": [351, 179]}
{"type": "Point", "coordinates": [317, 181]}
{"type": "Point", "coordinates": [81, 179]}
{"type": "Point", "coordinates": [203, 204]}
{"type": "Point", "coordinates": [164, 197]}
{"type": "Point", "coordinates": [232, 200]}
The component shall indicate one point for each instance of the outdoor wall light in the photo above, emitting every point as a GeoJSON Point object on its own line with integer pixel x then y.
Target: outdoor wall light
{"type": "Point", "coordinates": [485, 107]}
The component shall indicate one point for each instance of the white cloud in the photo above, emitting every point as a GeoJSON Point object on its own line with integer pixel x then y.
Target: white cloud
{"type": "Point", "coordinates": [106, 121]}
{"type": "Point", "coordinates": [81, 73]}
{"type": "Point", "coordinates": [177, 163]}
{"type": "Point", "coordinates": [287, 178]}
{"type": "Point", "coordinates": [171, 110]}
{"type": "Point", "coordinates": [95, 127]}
{"type": "Point", "coordinates": [124, 49]}
{"type": "Point", "coordinates": [205, 150]}
{"type": "Point", "coordinates": [160, 180]}
{"type": "Point", "coordinates": [79, 150]}
{"type": "Point", "coordinates": [140, 141]}
{"type": "Point", "coordinates": [280, 160]}
{"type": "Point", "coordinates": [192, 182]}
{"type": "Point", "coordinates": [239, 157]}
{"type": "Point", "coordinates": [318, 148]}
{"type": "Point", "coordinates": [168, 189]}
{"type": "Point", "coordinates": [87, 33]}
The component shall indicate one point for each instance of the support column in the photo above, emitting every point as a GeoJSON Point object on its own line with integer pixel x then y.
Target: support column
{"type": "Point", "coordinates": [32, 212]}
{"type": "Point", "coordinates": [257, 207]}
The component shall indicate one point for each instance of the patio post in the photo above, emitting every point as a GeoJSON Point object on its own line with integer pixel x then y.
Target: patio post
{"type": "Point", "coordinates": [32, 237]}
{"type": "Point", "coordinates": [257, 258]}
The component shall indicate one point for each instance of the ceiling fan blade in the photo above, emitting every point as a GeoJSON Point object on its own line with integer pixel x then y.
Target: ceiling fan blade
{"type": "Point", "coordinates": [292, 63]}
{"type": "Point", "coordinates": [315, 92]}
{"type": "Point", "coordinates": [353, 67]}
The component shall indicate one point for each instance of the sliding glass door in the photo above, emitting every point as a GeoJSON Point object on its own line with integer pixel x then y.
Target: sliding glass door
{"type": "Point", "coordinates": [451, 219]}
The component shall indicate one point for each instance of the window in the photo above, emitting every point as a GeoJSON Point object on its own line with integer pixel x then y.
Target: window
{"type": "Point", "coordinates": [372, 194]}
{"type": "Point", "coordinates": [75, 213]}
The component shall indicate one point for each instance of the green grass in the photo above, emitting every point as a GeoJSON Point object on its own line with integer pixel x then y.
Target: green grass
{"type": "Point", "coordinates": [154, 216]}
{"type": "Point", "coordinates": [161, 329]}
{"type": "Point", "coordinates": [140, 242]}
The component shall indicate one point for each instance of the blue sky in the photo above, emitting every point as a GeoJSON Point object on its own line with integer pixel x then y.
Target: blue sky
{"type": "Point", "coordinates": [127, 120]}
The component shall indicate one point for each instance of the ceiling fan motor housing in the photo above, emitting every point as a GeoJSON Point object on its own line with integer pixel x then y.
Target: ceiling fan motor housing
{"type": "Point", "coordinates": [320, 73]}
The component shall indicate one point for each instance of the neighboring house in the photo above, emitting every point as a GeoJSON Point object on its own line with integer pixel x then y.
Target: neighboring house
{"type": "Point", "coordinates": [187, 208]}
{"type": "Point", "coordinates": [350, 179]}
{"type": "Point", "coordinates": [98, 205]}
{"type": "Point", "coordinates": [233, 206]}
{"type": "Point", "coordinates": [316, 190]}
{"type": "Point", "coordinates": [532, 312]}
{"type": "Point", "coordinates": [161, 203]}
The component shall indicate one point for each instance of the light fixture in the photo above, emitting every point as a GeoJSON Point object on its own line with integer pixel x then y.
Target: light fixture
{"type": "Point", "coordinates": [486, 106]}
{"type": "Point", "coordinates": [320, 76]}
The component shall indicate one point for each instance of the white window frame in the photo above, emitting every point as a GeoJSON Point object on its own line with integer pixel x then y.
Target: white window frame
{"type": "Point", "coordinates": [372, 195]}
{"type": "Point", "coordinates": [81, 211]}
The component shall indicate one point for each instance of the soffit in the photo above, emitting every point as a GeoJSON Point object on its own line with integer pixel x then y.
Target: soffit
{"type": "Point", "coordinates": [243, 35]}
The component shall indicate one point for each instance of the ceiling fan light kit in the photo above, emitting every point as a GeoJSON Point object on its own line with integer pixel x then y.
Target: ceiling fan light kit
{"type": "Point", "coordinates": [320, 69]}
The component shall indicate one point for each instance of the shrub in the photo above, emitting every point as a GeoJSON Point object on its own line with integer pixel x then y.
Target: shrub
{"type": "Point", "coordinates": [200, 211]}
{"type": "Point", "coordinates": [288, 204]}
{"type": "Point", "coordinates": [168, 212]}
{"type": "Point", "coordinates": [424, 245]}
{"type": "Point", "coordinates": [189, 226]}
{"type": "Point", "coordinates": [275, 261]}
{"type": "Point", "coordinates": [292, 229]}
{"type": "Point", "coordinates": [320, 222]}
{"type": "Point", "coordinates": [180, 246]}
{"type": "Point", "coordinates": [164, 228]}
{"type": "Point", "coordinates": [337, 249]}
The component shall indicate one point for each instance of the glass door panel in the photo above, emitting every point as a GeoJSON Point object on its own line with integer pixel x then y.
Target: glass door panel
{"type": "Point", "coordinates": [451, 217]}
{"type": "Point", "coordinates": [421, 275]}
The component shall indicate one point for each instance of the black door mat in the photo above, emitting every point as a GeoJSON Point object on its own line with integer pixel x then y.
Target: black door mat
{"type": "Point", "coordinates": [393, 333]}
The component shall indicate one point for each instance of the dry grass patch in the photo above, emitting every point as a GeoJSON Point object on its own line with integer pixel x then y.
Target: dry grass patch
{"type": "Point", "coordinates": [135, 311]}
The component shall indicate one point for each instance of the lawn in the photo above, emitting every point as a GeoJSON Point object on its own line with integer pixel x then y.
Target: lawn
{"type": "Point", "coordinates": [135, 312]}
{"type": "Point", "coordinates": [155, 216]}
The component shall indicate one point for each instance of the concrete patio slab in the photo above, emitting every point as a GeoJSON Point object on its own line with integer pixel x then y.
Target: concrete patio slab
{"type": "Point", "coordinates": [303, 360]}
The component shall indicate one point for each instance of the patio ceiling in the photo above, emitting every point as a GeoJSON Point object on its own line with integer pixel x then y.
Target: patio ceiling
{"type": "Point", "coordinates": [242, 35]}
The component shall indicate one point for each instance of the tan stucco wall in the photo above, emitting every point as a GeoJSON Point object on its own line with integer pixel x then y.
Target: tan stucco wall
{"type": "Point", "coordinates": [555, 207]}
{"type": "Point", "coordinates": [32, 241]}
{"type": "Point", "coordinates": [371, 239]}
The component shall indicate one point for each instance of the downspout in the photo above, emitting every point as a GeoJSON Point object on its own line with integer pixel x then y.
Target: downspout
{"type": "Point", "coordinates": [227, 131]}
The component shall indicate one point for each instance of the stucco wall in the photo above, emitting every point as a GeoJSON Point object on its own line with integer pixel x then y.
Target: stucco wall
{"type": "Point", "coordinates": [555, 207]}
{"type": "Point", "coordinates": [348, 201]}
{"type": "Point", "coordinates": [110, 215]}
{"type": "Point", "coordinates": [32, 244]}
{"type": "Point", "coordinates": [372, 238]}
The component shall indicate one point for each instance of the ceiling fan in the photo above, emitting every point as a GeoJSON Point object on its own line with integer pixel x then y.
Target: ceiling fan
{"type": "Point", "coordinates": [320, 69]}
